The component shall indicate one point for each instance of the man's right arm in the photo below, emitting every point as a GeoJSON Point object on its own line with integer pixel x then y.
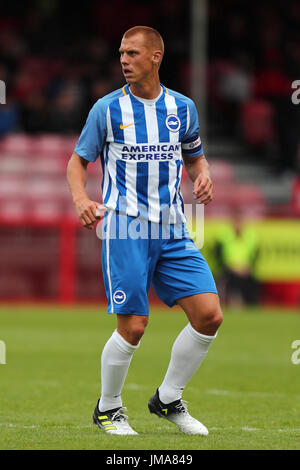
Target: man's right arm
{"type": "Point", "coordinates": [77, 178]}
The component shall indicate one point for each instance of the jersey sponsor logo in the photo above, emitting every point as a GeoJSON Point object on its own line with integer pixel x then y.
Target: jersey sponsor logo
{"type": "Point", "coordinates": [173, 123]}
{"type": "Point", "coordinates": [127, 125]}
{"type": "Point", "coordinates": [150, 152]}
{"type": "Point", "coordinates": [119, 296]}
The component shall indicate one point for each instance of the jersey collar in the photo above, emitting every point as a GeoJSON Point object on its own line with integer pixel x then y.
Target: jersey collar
{"type": "Point", "coordinates": [126, 91]}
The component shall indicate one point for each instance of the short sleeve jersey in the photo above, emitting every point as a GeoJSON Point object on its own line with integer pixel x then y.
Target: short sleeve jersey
{"type": "Point", "coordinates": [140, 146]}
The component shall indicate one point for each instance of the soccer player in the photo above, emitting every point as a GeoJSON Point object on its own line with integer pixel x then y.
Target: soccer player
{"type": "Point", "coordinates": [143, 133]}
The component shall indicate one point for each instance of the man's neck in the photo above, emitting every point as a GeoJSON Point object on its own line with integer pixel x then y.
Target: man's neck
{"type": "Point", "coordinates": [147, 91]}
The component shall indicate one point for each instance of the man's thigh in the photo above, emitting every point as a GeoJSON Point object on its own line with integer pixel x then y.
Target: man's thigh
{"type": "Point", "coordinates": [127, 271]}
{"type": "Point", "coordinates": [182, 271]}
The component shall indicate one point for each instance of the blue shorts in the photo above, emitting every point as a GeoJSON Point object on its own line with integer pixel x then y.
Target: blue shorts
{"type": "Point", "coordinates": [136, 255]}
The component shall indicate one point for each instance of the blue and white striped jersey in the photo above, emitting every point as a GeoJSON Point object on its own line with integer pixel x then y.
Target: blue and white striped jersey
{"type": "Point", "coordinates": [141, 146]}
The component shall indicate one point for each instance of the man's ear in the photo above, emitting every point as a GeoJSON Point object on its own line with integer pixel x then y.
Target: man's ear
{"type": "Point", "coordinates": [157, 57]}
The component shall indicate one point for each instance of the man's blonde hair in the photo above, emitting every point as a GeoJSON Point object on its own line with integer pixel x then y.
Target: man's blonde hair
{"type": "Point", "coordinates": [150, 34]}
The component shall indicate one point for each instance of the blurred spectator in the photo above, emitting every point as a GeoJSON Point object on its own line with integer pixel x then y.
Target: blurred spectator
{"type": "Point", "coordinates": [9, 118]}
{"type": "Point", "coordinates": [99, 87]}
{"type": "Point", "coordinates": [233, 88]}
{"type": "Point", "coordinates": [55, 70]}
{"type": "Point", "coordinates": [236, 86]}
{"type": "Point", "coordinates": [65, 113]}
{"type": "Point", "coordinates": [104, 16]}
{"type": "Point", "coordinates": [257, 125]}
{"type": "Point", "coordinates": [236, 251]}
{"type": "Point", "coordinates": [23, 86]}
{"type": "Point", "coordinates": [34, 113]}
{"type": "Point", "coordinates": [253, 53]}
{"type": "Point", "coordinates": [265, 35]}
{"type": "Point", "coordinates": [274, 85]}
{"type": "Point", "coordinates": [12, 46]}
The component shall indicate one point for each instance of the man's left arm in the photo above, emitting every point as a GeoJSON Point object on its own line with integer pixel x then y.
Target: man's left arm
{"type": "Point", "coordinates": [198, 170]}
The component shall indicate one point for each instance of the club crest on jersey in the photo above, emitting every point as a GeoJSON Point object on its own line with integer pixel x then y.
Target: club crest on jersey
{"type": "Point", "coordinates": [173, 123]}
{"type": "Point", "coordinates": [119, 297]}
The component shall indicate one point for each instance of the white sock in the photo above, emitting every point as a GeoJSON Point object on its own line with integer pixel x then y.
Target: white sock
{"type": "Point", "coordinates": [115, 360]}
{"type": "Point", "coordinates": [188, 352]}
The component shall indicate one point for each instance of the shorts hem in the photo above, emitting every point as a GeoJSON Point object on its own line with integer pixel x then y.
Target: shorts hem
{"type": "Point", "coordinates": [129, 313]}
{"type": "Point", "coordinates": [203, 291]}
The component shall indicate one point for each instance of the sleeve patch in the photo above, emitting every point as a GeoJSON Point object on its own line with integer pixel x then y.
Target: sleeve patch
{"type": "Point", "coordinates": [191, 145]}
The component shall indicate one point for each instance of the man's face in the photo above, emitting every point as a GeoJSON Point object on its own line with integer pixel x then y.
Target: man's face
{"type": "Point", "coordinates": [136, 59]}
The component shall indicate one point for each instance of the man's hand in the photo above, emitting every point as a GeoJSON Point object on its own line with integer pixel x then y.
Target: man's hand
{"type": "Point", "coordinates": [198, 171]}
{"type": "Point", "coordinates": [203, 189]}
{"type": "Point", "coordinates": [89, 212]}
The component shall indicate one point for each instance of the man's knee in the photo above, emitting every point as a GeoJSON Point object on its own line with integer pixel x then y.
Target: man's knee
{"type": "Point", "coordinates": [207, 318]}
{"type": "Point", "coordinates": [132, 327]}
{"type": "Point", "coordinates": [214, 317]}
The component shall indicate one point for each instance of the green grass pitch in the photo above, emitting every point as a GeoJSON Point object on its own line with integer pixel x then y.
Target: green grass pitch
{"type": "Point", "coordinates": [247, 391]}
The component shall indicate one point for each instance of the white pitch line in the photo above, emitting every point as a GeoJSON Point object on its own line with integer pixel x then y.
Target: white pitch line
{"type": "Point", "coordinates": [37, 426]}
{"type": "Point", "coordinates": [246, 428]}
{"type": "Point", "coordinates": [136, 387]}
{"type": "Point", "coordinates": [249, 393]}
{"type": "Point", "coordinates": [250, 429]}
{"type": "Point", "coordinates": [90, 426]}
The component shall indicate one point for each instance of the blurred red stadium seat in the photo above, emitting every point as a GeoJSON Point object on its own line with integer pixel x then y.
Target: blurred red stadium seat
{"type": "Point", "coordinates": [47, 210]}
{"type": "Point", "coordinates": [222, 171]}
{"type": "Point", "coordinates": [11, 186]}
{"type": "Point", "coordinates": [54, 145]}
{"type": "Point", "coordinates": [257, 122]}
{"type": "Point", "coordinates": [48, 145]}
{"type": "Point", "coordinates": [45, 188]}
{"type": "Point", "coordinates": [13, 210]}
{"type": "Point", "coordinates": [46, 166]}
{"type": "Point", "coordinates": [17, 144]}
{"type": "Point", "coordinates": [246, 197]}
